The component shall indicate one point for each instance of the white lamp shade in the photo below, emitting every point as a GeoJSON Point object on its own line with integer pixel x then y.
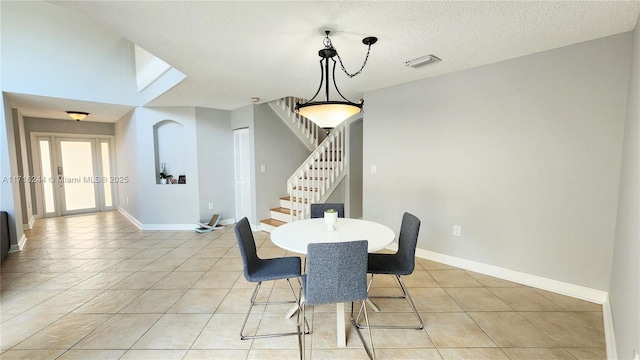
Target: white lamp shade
{"type": "Point", "coordinates": [77, 115]}
{"type": "Point", "coordinates": [328, 115]}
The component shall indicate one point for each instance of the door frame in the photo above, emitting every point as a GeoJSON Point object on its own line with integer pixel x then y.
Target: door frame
{"type": "Point", "coordinates": [53, 138]}
{"type": "Point", "coordinates": [245, 131]}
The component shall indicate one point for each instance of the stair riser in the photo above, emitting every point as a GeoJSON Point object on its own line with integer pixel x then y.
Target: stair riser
{"type": "Point", "coordinates": [267, 228]}
{"type": "Point", "coordinates": [279, 216]}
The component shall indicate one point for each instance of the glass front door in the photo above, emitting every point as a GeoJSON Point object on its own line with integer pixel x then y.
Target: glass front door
{"type": "Point", "coordinates": [76, 175]}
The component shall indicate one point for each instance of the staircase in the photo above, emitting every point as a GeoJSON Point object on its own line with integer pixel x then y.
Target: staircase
{"type": "Point", "coordinates": [307, 131]}
{"type": "Point", "coordinates": [313, 181]}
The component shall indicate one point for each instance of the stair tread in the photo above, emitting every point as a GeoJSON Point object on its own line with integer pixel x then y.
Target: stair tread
{"type": "Point", "coordinates": [283, 210]}
{"type": "Point", "coordinates": [273, 222]}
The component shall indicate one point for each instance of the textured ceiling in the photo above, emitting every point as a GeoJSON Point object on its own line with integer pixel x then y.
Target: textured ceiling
{"type": "Point", "coordinates": [232, 51]}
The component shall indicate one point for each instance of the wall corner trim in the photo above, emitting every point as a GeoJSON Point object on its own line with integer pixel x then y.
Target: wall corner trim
{"type": "Point", "coordinates": [609, 334]}
{"type": "Point", "coordinates": [19, 246]}
{"type": "Point", "coordinates": [135, 221]}
{"type": "Point", "coordinates": [29, 224]}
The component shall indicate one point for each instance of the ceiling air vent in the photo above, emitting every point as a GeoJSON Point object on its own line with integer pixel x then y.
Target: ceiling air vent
{"type": "Point", "coordinates": [424, 60]}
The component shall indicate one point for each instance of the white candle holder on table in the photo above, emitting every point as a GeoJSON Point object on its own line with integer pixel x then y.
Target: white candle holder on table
{"type": "Point", "coordinates": [331, 218]}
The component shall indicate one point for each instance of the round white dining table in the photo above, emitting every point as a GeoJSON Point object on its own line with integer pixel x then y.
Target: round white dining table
{"type": "Point", "coordinates": [295, 236]}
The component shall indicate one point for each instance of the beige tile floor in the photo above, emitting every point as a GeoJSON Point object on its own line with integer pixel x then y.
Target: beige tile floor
{"type": "Point", "coordinates": [96, 287]}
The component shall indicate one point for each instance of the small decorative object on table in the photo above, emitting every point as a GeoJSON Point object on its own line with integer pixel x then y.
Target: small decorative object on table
{"type": "Point", "coordinates": [331, 218]}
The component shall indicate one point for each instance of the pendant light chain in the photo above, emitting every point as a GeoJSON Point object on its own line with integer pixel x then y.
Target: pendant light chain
{"type": "Point", "coordinates": [329, 45]}
{"type": "Point", "coordinates": [357, 72]}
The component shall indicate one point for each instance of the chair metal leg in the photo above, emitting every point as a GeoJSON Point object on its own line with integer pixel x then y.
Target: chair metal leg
{"type": "Point", "coordinates": [301, 335]}
{"type": "Point", "coordinates": [405, 295]}
{"type": "Point", "coordinates": [254, 303]}
{"type": "Point", "coordinates": [413, 306]}
{"type": "Point", "coordinates": [299, 300]}
{"type": "Point", "coordinates": [363, 308]}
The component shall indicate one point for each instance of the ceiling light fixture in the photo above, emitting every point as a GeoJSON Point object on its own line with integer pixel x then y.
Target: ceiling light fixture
{"type": "Point", "coordinates": [329, 113]}
{"type": "Point", "coordinates": [428, 59]}
{"type": "Point", "coordinates": [77, 115]}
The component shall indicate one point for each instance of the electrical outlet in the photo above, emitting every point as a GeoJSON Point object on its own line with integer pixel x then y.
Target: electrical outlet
{"type": "Point", "coordinates": [127, 199]}
{"type": "Point", "coordinates": [263, 168]}
{"type": "Point", "coordinates": [374, 169]}
{"type": "Point", "coordinates": [210, 206]}
{"type": "Point", "coordinates": [457, 230]}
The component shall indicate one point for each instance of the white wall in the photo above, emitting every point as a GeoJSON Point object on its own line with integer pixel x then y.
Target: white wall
{"type": "Point", "coordinates": [127, 160]}
{"type": "Point", "coordinates": [67, 127]}
{"type": "Point", "coordinates": [523, 154]}
{"type": "Point", "coordinates": [67, 55]}
{"type": "Point", "coordinates": [166, 204]}
{"type": "Point", "coordinates": [152, 205]}
{"type": "Point", "coordinates": [9, 190]}
{"type": "Point", "coordinates": [355, 169]}
{"type": "Point", "coordinates": [625, 274]}
{"type": "Point", "coordinates": [22, 166]}
{"type": "Point", "coordinates": [280, 151]}
{"type": "Point", "coordinates": [27, 201]}
{"type": "Point", "coordinates": [215, 163]}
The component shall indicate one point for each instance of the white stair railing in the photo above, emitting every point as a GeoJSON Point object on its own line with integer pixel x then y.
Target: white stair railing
{"type": "Point", "coordinates": [326, 166]}
{"type": "Point", "coordinates": [306, 130]}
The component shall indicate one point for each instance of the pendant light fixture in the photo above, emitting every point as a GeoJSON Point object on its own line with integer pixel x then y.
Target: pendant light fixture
{"type": "Point", "coordinates": [77, 115]}
{"type": "Point", "coordinates": [329, 113]}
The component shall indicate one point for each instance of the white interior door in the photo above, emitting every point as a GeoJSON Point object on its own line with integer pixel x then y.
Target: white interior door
{"type": "Point", "coordinates": [242, 169]}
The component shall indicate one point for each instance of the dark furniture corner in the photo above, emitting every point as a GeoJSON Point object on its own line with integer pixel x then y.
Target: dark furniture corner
{"type": "Point", "coordinates": [4, 235]}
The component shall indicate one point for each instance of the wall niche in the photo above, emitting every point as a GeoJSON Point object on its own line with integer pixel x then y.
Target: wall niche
{"type": "Point", "coordinates": [169, 145]}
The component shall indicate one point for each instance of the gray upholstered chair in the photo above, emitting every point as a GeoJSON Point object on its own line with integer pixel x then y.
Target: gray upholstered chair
{"type": "Point", "coordinates": [317, 210]}
{"type": "Point", "coordinates": [336, 272]}
{"type": "Point", "coordinates": [257, 270]}
{"type": "Point", "coordinates": [398, 264]}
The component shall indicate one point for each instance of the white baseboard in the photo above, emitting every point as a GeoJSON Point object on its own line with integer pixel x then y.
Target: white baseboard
{"type": "Point", "coordinates": [227, 221]}
{"type": "Point", "coordinates": [559, 287]}
{"type": "Point", "coordinates": [18, 247]}
{"type": "Point", "coordinates": [29, 224]}
{"type": "Point", "coordinates": [168, 226]}
{"type": "Point", "coordinates": [135, 221]}
{"type": "Point", "coordinates": [176, 227]}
